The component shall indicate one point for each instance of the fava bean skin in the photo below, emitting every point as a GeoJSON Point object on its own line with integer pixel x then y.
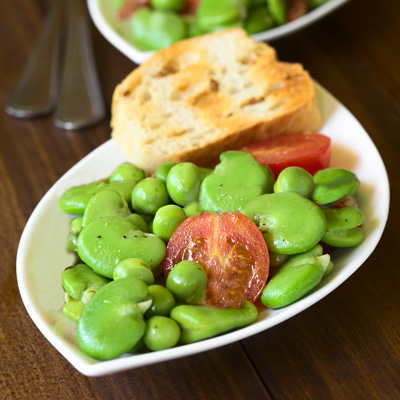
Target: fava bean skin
{"type": "Point", "coordinates": [332, 184]}
{"type": "Point", "coordinates": [161, 333]}
{"type": "Point", "coordinates": [271, 213]}
{"type": "Point", "coordinates": [187, 282]}
{"type": "Point", "coordinates": [112, 323]}
{"type": "Point", "coordinates": [202, 322]}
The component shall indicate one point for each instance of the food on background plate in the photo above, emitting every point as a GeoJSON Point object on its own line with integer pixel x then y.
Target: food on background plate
{"type": "Point", "coordinates": [156, 24]}
{"type": "Point", "coordinates": [267, 246]}
{"type": "Point", "coordinates": [202, 96]}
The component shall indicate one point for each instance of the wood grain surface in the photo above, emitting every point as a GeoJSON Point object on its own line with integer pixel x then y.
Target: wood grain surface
{"type": "Point", "coordinates": [347, 346]}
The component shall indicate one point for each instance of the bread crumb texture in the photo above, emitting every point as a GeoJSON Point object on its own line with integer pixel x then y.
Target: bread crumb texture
{"type": "Point", "coordinates": [205, 95]}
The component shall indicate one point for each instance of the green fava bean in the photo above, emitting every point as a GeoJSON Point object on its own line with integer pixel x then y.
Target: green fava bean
{"type": "Point", "coordinates": [193, 209]}
{"type": "Point", "coordinates": [294, 279]}
{"type": "Point", "coordinates": [295, 179]}
{"type": "Point", "coordinates": [105, 204]}
{"type": "Point", "coordinates": [204, 172]}
{"type": "Point", "coordinates": [202, 322]}
{"type": "Point", "coordinates": [136, 268]}
{"type": "Point", "coordinates": [259, 20]}
{"type": "Point", "coordinates": [166, 220]}
{"type": "Point", "coordinates": [81, 282]}
{"type": "Point", "coordinates": [112, 323]}
{"type": "Point", "coordinates": [211, 14]}
{"type": "Point", "coordinates": [126, 171]}
{"type": "Point", "coordinates": [168, 5]}
{"type": "Point", "coordinates": [344, 228]}
{"type": "Point", "coordinates": [75, 228]}
{"type": "Point", "coordinates": [105, 242]}
{"type": "Point", "coordinates": [72, 309]}
{"type": "Point", "coordinates": [162, 171]}
{"type": "Point", "coordinates": [187, 282]}
{"type": "Point", "coordinates": [155, 29]}
{"type": "Point", "coordinates": [183, 183]}
{"type": "Point", "coordinates": [124, 188]}
{"type": "Point", "coordinates": [74, 200]}
{"type": "Point", "coordinates": [238, 179]}
{"type": "Point", "coordinates": [290, 223]}
{"type": "Point", "coordinates": [161, 333]}
{"type": "Point", "coordinates": [149, 195]}
{"type": "Point", "coordinates": [278, 10]}
{"type": "Point", "coordinates": [162, 301]}
{"type": "Point", "coordinates": [316, 3]}
{"type": "Point", "coordinates": [139, 221]}
{"type": "Point", "coordinates": [332, 184]}
{"type": "Point", "coordinates": [71, 242]}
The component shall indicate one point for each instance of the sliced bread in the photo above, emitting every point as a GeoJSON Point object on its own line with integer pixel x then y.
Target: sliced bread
{"type": "Point", "coordinates": [209, 94]}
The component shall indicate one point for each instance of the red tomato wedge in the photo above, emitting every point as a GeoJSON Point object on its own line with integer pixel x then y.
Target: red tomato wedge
{"type": "Point", "coordinates": [231, 249]}
{"type": "Point", "coordinates": [309, 151]}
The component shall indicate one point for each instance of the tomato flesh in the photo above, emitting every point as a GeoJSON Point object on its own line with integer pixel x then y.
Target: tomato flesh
{"type": "Point", "coordinates": [309, 151]}
{"type": "Point", "coordinates": [231, 249]}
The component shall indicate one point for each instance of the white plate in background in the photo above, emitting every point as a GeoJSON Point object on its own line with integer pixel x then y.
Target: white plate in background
{"type": "Point", "coordinates": [42, 254]}
{"type": "Point", "coordinates": [118, 33]}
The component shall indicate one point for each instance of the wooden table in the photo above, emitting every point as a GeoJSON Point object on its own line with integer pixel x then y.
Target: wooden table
{"type": "Point", "coordinates": [347, 346]}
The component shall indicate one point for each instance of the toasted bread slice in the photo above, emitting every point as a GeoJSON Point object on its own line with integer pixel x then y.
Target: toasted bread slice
{"type": "Point", "coordinates": [209, 94]}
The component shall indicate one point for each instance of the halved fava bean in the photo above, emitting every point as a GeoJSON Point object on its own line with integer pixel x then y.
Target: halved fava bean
{"type": "Point", "coordinates": [105, 242]}
{"type": "Point", "coordinates": [202, 322]}
{"type": "Point", "coordinates": [112, 323]}
{"type": "Point", "coordinates": [295, 278]}
{"type": "Point", "coordinates": [236, 180]}
{"type": "Point", "coordinates": [290, 223]}
{"type": "Point", "coordinates": [105, 204]}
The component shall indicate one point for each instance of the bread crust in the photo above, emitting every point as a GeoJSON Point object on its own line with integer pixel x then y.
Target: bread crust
{"type": "Point", "coordinates": [205, 95]}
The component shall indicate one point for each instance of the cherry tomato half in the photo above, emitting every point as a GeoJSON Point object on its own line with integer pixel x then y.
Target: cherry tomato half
{"type": "Point", "coordinates": [231, 249]}
{"type": "Point", "coordinates": [309, 151]}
